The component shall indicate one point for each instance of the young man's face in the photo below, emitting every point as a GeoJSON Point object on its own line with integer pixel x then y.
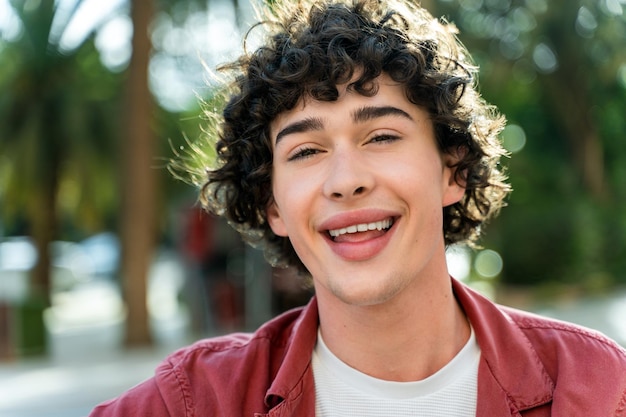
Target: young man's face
{"type": "Point", "coordinates": [359, 185]}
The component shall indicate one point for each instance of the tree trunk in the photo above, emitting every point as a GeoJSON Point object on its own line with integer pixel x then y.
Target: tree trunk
{"type": "Point", "coordinates": [31, 330]}
{"type": "Point", "coordinates": [138, 182]}
{"type": "Point", "coordinates": [43, 231]}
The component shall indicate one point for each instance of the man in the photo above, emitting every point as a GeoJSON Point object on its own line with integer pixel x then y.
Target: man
{"type": "Point", "coordinates": [355, 148]}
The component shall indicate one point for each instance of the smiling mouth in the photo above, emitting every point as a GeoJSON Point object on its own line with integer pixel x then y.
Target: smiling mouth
{"type": "Point", "coordinates": [382, 225]}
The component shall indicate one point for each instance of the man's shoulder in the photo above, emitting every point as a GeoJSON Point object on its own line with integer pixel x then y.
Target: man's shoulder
{"type": "Point", "coordinates": [269, 339]}
{"type": "Point", "coordinates": [502, 326]}
{"type": "Point", "coordinates": [582, 362]}
{"type": "Point", "coordinates": [554, 330]}
{"type": "Point", "coordinates": [219, 374]}
{"type": "Point", "coordinates": [555, 340]}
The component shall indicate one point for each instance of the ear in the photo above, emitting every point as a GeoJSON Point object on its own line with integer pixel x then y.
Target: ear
{"type": "Point", "coordinates": [275, 219]}
{"type": "Point", "coordinates": [453, 185]}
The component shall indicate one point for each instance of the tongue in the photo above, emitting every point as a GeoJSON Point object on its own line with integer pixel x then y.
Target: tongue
{"type": "Point", "coordinates": [359, 236]}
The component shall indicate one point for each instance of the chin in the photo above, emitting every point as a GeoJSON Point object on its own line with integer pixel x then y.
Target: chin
{"type": "Point", "coordinates": [365, 296]}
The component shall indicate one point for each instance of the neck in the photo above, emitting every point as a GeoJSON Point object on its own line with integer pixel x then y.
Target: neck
{"type": "Point", "coordinates": [405, 339]}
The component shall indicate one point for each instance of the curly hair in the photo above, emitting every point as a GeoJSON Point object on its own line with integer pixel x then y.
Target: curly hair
{"type": "Point", "coordinates": [311, 47]}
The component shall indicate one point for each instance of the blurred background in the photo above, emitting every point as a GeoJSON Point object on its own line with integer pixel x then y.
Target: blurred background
{"type": "Point", "coordinates": [106, 261]}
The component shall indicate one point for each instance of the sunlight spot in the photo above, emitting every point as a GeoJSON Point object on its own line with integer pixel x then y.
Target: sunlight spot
{"type": "Point", "coordinates": [488, 263]}
{"type": "Point", "coordinates": [88, 17]}
{"type": "Point", "coordinates": [17, 253]}
{"type": "Point", "coordinates": [545, 59]}
{"type": "Point", "coordinates": [613, 7]}
{"type": "Point", "coordinates": [459, 261]}
{"type": "Point", "coordinates": [114, 42]}
{"type": "Point", "coordinates": [513, 138]}
{"type": "Point", "coordinates": [524, 19]}
{"type": "Point", "coordinates": [10, 26]}
{"type": "Point", "coordinates": [169, 84]}
{"type": "Point", "coordinates": [586, 23]}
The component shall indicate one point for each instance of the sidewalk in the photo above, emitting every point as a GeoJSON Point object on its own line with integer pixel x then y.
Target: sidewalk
{"type": "Point", "coordinates": [87, 363]}
{"type": "Point", "coordinates": [85, 367]}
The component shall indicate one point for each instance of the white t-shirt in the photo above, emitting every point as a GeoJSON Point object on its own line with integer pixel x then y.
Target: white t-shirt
{"type": "Point", "coordinates": [342, 391]}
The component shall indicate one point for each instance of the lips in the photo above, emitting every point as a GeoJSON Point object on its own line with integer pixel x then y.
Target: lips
{"type": "Point", "coordinates": [361, 228]}
{"type": "Point", "coordinates": [360, 235]}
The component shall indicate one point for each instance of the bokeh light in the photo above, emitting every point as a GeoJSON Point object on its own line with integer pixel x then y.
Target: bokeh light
{"type": "Point", "coordinates": [488, 263]}
{"type": "Point", "coordinates": [513, 138]}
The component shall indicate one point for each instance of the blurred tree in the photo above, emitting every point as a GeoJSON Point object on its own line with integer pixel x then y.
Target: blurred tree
{"type": "Point", "coordinates": [141, 147]}
{"type": "Point", "coordinates": [60, 112]}
{"type": "Point", "coordinates": [557, 69]}
{"type": "Point", "coordinates": [56, 131]}
{"type": "Point", "coordinates": [138, 227]}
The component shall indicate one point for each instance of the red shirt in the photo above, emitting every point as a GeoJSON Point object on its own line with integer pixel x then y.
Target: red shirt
{"type": "Point", "coordinates": [530, 366]}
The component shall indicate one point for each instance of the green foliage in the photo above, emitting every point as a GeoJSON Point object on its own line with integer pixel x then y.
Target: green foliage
{"type": "Point", "coordinates": [56, 124]}
{"type": "Point", "coordinates": [556, 68]}
{"type": "Point", "coordinates": [61, 124]}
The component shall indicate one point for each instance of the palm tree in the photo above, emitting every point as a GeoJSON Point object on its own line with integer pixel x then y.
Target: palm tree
{"type": "Point", "coordinates": [59, 113]}
{"type": "Point", "coordinates": [55, 129]}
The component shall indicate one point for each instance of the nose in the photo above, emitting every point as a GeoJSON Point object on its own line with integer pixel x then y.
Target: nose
{"type": "Point", "coordinates": [348, 176]}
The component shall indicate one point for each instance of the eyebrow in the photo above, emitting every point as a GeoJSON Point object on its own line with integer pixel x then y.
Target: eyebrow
{"type": "Point", "coordinates": [306, 125]}
{"type": "Point", "coordinates": [367, 113]}
{"type": "Point", "coordinates": [361, 115]}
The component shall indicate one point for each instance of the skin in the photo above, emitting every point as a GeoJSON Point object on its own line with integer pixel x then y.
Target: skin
{"type": "Point", "coordinates": [385, 302]}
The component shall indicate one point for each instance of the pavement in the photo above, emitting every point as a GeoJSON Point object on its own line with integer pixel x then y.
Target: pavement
{"type": "Point", "coordinates": [87, 363]}
{"type": "Point", "coordinates": [84, 368]}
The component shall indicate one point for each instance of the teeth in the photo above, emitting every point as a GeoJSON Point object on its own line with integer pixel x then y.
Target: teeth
{"type": "Point", "coordinates": [363, 227]}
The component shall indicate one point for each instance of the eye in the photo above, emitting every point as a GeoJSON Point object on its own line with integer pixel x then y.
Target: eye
{"type": "Point", "coordinates": [303, 153]}
{"type": "Point", "coordinates": [384, 137]}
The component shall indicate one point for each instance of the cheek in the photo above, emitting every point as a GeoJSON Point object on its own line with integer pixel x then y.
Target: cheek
{"type": "Point", "coordinates": [294, 197]}
{"type": "Point", "coordinates": [296, 186]}
{"type": "Point", "coordinates": [417, 178]}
